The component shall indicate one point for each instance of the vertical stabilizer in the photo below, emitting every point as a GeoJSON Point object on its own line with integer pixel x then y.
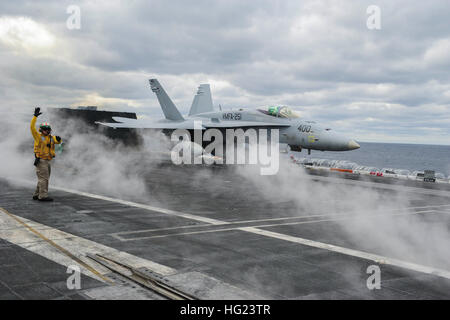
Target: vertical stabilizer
{"type": "Point", "coordinates": [202, 101]}
{"type": "Point", "coordinates": [170, 110]}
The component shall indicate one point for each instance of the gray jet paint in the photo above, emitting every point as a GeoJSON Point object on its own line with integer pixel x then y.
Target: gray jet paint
{"type": "Point", "coordinates": [294, 131]}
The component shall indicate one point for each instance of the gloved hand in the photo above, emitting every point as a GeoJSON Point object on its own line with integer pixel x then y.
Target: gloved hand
{"type": "Point", "coordinates": [58, 138]}
{"type": "Point", "coordinates": [37, 112]}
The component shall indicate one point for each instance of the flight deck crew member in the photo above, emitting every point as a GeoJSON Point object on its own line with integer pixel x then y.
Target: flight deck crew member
{"type": "Point", "coordinates": [44, 151]}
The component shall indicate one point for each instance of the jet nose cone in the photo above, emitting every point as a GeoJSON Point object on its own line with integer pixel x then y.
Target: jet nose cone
{"type": "Point", "coordinates": [352, 145]}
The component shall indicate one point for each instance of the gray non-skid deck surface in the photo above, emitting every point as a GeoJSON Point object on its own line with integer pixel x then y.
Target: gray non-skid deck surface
{"type": "Point", "coordinates": [269, 267]}
{"type": "Point", "coordinates": [26, 275]}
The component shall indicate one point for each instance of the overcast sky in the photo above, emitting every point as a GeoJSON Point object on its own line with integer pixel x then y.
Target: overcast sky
{"type": "Point", "coordinates": [319, 57]}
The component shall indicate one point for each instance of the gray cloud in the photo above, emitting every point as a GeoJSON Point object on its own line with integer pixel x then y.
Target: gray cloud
{"type": "Point", "coordinates": [316, 56]}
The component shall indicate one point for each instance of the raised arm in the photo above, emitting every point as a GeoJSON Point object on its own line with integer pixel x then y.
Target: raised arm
{"type": "Point", "coordinates": [34, 132]}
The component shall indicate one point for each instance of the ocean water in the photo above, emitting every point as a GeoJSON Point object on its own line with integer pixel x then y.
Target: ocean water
{"type": "Point", "coordinates": [392, 155]}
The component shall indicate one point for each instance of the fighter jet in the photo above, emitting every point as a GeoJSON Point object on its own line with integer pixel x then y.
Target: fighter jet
{"type": "Point", "coordinates": [294, 131]}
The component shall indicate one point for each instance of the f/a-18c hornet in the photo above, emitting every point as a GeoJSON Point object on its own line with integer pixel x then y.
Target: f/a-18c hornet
{"type": "Point", "coordinates": [296, 132]}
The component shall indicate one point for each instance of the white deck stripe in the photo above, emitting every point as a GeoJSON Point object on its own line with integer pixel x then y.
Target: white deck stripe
{"type": "Point", "coordinates": [182, 214]}
{"type": "Point", "coordinates": [80, 247]}
{"type": "Point", "coordinates": [118, 235]}
{"type": "Point", "coordinates": [379, 259]}
{"type": "Point", "coordinates": [380, 185]}
{"type": "Point", "coordinates": [350, 252]}
{"type": "Point", "coordinates": [144, 206]}
{"type": "Point", "coordinates": [133, 204]}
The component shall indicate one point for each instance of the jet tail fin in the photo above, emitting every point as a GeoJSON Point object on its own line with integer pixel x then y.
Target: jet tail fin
{"type": "Point", "coordinates": [169, 109]}
{"type": "Point", "coordinates": [202, 101]}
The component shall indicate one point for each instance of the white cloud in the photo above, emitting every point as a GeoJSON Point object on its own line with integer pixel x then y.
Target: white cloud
{"type": "Point", "coordinates": [23, 33]}
{"type": "Point", "coordinates": [438, 54]}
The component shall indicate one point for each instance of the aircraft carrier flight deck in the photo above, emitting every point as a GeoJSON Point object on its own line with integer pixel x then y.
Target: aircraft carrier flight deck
{"type": "Point", "coordinates": [214, 233]}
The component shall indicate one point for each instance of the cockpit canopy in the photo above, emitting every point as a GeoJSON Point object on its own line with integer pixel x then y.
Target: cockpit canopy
{"type": "Point", "coordinates": [280, 111]}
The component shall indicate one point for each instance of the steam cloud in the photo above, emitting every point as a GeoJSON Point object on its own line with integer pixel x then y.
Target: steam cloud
{"type": "Point", "coordinates": [369, 219]}
{"type": "Point", "coordinates": [372, 219]}
{"type": "Point", "coordinates": [89, 162]}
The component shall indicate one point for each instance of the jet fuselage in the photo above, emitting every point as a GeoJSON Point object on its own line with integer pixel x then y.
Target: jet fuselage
{"type": "Point", "coordinates": [293, 131]}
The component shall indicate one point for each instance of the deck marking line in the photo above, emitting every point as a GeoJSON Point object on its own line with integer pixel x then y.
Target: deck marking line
{"type": "Point", "coordinates": [118, 235]}
{"type": "Point", "coordinates": [75, 245]}
{"type": "Point", "coordinates": [144, 206]}
{"type": "Point", "coordinates": [355, 253]}
{"type": "Point", "coordinates": [312, 243]}
{"type": "Point", "coordinates": [58, 247]}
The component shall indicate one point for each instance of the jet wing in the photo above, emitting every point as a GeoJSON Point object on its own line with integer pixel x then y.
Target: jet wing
{"type": "Point", "coordinates": [188, 124]}
{"type": "Point", "coordinates": [145, 124]}
{"type": "Point", "coordinates": [244, 124]}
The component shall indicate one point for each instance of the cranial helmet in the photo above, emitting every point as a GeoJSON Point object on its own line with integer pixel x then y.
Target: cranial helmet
{"type": "Point", "coordinates": [45, 126]}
